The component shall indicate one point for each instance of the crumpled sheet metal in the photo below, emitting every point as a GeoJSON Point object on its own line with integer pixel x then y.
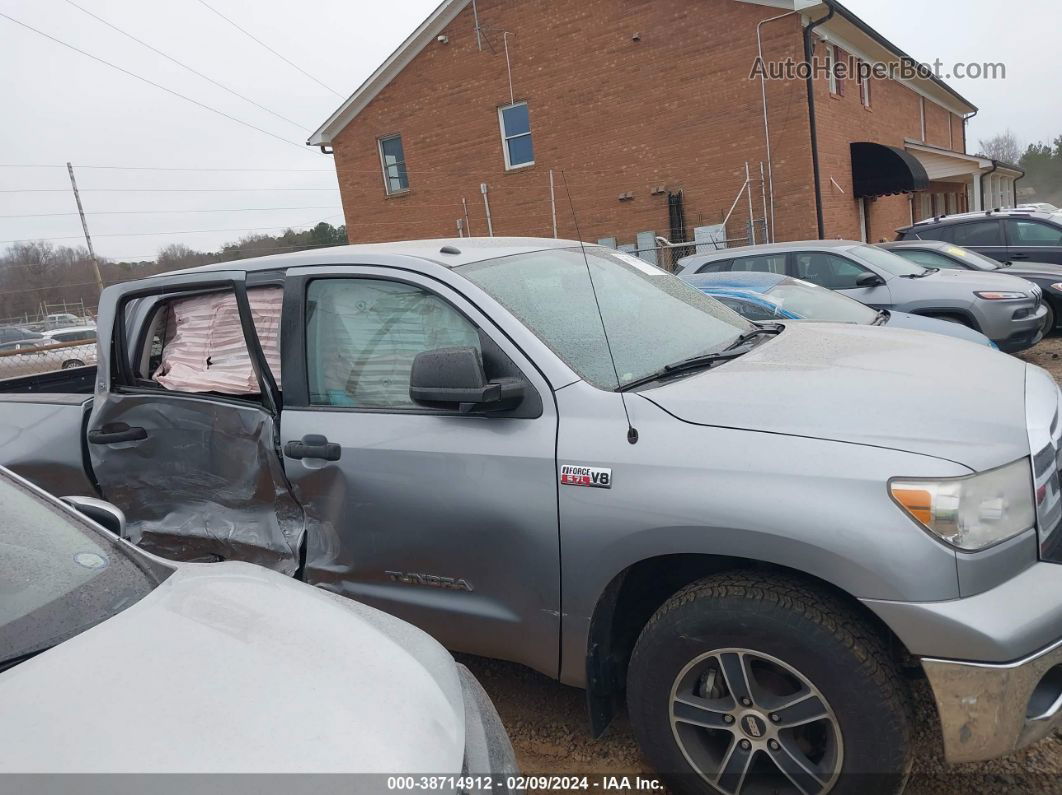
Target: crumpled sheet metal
{"type": "Point", "coordinates": [205, 485]}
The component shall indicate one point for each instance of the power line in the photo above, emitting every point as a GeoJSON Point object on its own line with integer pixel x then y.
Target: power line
{"type": "Point", "coordinates": [185, 66]}
{"type": "Point", "coordinates": [163, 212]}
{"type": "Point", "coordinates": [277, 54]}
{"type": "Point", "coordinates": [152, 83]}
{"type": "Point", "coordinates": [154, 190]}
{"type": "Point", "coordinates": [167, 168]}
{"type": "Point", "coordinates": [176, 232]}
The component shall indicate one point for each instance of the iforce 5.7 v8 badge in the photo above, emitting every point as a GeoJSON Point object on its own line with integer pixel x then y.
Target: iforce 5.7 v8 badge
{"type": "Point", "coordinates": [594, 477]}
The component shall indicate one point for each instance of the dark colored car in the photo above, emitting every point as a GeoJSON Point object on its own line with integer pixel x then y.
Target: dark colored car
{"type": "Point", "coordinates": [17, 334]}
{"type": "Point", "coordinates": [1004, 235]}
{"type": "Point", "coordinates": [937, 254]}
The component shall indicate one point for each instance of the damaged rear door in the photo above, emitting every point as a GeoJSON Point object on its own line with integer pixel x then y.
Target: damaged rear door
{"type": "Point", "coordinates": [183, 431]}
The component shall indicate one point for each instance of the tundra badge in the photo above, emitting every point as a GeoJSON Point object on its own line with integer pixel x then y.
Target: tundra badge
{"type": "Point", "coordinates": [594, 477]}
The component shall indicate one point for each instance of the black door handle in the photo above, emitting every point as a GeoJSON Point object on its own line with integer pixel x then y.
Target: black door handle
{"type": "Point", "coordinates": [115, 432]}
{"type": "Point", "coordinates": [1019, 255]}
{"type": "Point", "coordinates": [313, 446]}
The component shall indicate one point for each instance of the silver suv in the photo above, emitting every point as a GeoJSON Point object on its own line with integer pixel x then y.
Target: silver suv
{"type": "Point", "coordinates": [1006, 309]}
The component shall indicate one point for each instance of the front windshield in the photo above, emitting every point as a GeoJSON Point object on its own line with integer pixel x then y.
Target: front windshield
{"type": "Point", "coordinates": [812, 302]}
{"type": "Point", "coordinates": [652, 318]}
{"type": "Point", "coordinates": [58, 576]}
{"type": "Point", "coordinates": [979, 261]}
{"type": "Point", "coordinates": [887, 261]}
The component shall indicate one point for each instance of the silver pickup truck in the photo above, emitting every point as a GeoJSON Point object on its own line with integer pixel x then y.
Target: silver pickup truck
{"type": "Point", "coordinates": [559, 455]}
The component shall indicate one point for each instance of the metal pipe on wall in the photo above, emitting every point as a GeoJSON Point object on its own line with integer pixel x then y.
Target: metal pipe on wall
{"type": "Point", "coordinates": [766, 126]}
{"type": "Point", "coordinates": [486, 206]}
{"type": "Point", "coordinates": [553, 202]}
{"type": "Point", "coordinates": [752, 217]}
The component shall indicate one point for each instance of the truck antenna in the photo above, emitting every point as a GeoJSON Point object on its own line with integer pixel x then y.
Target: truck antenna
{"type": "Point", "coordinates": [632, 432]}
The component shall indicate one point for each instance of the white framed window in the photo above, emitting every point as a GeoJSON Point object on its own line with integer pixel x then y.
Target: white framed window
{"type": "Point", "coordinates": [393, 162]}
{"type": "Point", "coordinates": [515, 124]}
{"type": "Point", "coordinates": [864, 82]}
{"type": "Point", "coordinates": [831, 75]}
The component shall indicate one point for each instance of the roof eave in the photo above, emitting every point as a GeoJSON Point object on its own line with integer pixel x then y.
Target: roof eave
{"type": "Point", "coordinates": [426, 32]}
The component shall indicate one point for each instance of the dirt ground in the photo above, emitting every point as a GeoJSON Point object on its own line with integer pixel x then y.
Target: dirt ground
{"type": "Point", "coordinates": [547, 720]}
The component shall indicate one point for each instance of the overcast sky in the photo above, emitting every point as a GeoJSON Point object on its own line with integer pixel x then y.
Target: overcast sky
{"type": "Point", "coordinates": [59, 105]}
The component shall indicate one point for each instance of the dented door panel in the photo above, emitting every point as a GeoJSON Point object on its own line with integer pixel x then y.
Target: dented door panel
{"type": "Point", "coordinates": [203, 484]}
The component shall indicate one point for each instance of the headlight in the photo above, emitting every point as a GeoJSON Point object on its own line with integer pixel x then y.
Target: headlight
{"type": "Point", "coordinates": [995, 295]}
{"type": "Point", "coordinates": [1057, 286]}
{"type": "Point", "coordinates": [971, 512]}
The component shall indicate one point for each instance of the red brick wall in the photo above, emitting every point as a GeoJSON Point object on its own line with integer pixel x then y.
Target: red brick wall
{"type": "Point", "coordinates": [673, 109]}
{"type": "Point", "coordinates": [615, 115]}
{"type": "Point", "coordinates": [893, 116]}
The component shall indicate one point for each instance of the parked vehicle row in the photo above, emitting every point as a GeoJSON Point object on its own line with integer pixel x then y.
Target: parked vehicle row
{"type": "Point", "coordinates": [767, 297]}
{"type": "Point", "coordinates": [554, 453]}
{"type": "Point", "coordinates": [1008, 310]}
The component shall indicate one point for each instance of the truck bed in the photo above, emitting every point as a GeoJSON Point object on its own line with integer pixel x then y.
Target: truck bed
{"type": "Point", "coordinates": [42, 421]}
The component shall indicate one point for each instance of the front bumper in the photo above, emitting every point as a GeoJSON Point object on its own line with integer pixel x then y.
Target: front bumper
{"type": "Point", "coordinates": [1017, 335]}
{"type": "Point", "coordinates": [988, 710]}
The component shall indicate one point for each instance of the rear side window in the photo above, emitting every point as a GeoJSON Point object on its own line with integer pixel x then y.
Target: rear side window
{"type": "Point", "coordinates": [932, 233]}
{"type": "Point", "coordinates": [716, 267]}
{"type": "Point", "coordinates": [929, 259]}
{"type": "Point", "coordinates": [764, 263]}
{"type": "Point", "coordinates": [1033, 233]}
{"type": "Point", "coordinates": [828, 270]}
{"type": "Point", "coordinates": [978, 233]}
{"type": "Point", "coordinates": [197, 343]}
{"type": "Point", "coordinates": [747, 309]}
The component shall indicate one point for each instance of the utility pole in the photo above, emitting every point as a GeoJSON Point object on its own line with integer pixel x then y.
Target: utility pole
{"type": "Point", "coordinates": [84, 226]}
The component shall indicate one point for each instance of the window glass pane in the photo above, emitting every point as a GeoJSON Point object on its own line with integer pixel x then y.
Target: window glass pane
{"type": "Point", "coordinates": [363, 334]}
{"type": "Point", "coordinates": [716, 267]}
{"type": "Point", "coordinates": [520, 150]}
{"type": "Point", "coordinates": [516, 120]}
{"type": "Point", "coordinates": [980, 233]}
{"type": "Point", "coordinates": [652, 317]}
{"type": "Point", "coordinates": [1032, 233]}
{"type": "Point", "coordinates": [774, 263]}
{"type": "Point", "coordinates": [394, 164]}
{"type": "Point", "coordinates": [747, 309]}
{"type": "Point", "coordinates": [828, 270]}
{"type": "Point", "coordinates": [59, 576]}
{"type": "Point", "coordinates": [929, 259]}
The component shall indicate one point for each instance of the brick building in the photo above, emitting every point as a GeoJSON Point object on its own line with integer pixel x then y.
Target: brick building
{"type": "Point", "coordinates": [646, 113]}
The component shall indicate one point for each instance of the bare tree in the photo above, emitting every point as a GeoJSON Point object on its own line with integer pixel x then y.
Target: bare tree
{"type": "Point", "coordinates": [1004, 147]}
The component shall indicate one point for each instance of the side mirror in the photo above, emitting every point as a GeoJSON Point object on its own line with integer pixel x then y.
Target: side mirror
{"type": "Point", "coordinates": [869, 280]}
{"type": "Point", "coordinates": [101, 512]}
{"type": "Point", "coordinates": [449, 377]}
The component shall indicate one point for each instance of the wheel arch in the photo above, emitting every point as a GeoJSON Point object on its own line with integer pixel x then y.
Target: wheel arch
{"type": "Point", "coordinates": [943, 313]}
{"type": "Point", "coordinates": [636, 593]}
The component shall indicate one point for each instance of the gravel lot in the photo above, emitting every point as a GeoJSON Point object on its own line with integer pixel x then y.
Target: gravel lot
{"type": "Point", "coordinates": [547, 721]}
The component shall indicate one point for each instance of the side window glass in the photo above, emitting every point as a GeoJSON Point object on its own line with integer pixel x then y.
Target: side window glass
{"type": "Point", "coordinates": [363, 334]}
{"type": "Point", "coordinates": [828, 270]}
{"type": "Point", "coordinates": [716, 267]}
{"type": "Point", "coordinates": [773, 263]}
{"type": "Point", "coordinates": [1033, 233]}
{"type": "Point", "coordinates": [978, 233]}
{"type": "Point", "coordinates": [197, 343]}
{"type": "Point", "coordinates": [929, 259]}
{"type": "Point", "coordinates": [747, 309]}
{"type": "Point", "coordinates": [943, 233]}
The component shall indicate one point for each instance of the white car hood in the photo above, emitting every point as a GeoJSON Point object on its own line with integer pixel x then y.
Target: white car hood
{"type": "Point", "coordinates": [230, 667]}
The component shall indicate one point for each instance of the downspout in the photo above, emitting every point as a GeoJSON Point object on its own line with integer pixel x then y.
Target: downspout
{"type": "Point", "coordinates": [1014, 188]}
{"type": "Point", "coordinates": [766, 129]}
{"type": "Point", "coordinates": [965, 119]}
{"type": "Point", "coordinates": [995, 165]}
{"type": "Point", "coordinates": [808, 52]}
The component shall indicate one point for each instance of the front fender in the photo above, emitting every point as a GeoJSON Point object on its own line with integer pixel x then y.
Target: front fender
{"type": "Point", "coordinates": [814, 506]}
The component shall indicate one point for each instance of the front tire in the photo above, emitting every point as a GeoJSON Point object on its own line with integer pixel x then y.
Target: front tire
{"type": "Point", "coordinates": [746, 683]}
{"type": "Point", "coordinates": [1049, 319]}
{"type": "Point", "coordinates": [70, 365]}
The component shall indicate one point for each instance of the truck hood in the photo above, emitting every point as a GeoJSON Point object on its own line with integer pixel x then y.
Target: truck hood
{"type": "Point", "coordinates": [232, 668]}
{"type": "Point", "coordinates": [904, 390]}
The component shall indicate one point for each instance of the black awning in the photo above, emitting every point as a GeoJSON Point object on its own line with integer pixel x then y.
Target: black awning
{"type": "Point", "coordinates": [879, 170]}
